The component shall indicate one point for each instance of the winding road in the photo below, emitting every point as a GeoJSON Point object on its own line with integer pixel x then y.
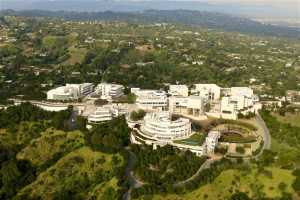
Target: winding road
{"type": "Point", "coordinates": [205, 165]}
{"type": "Point", "coordinates": [133, 181]}
{"type": "Point", "coordinates": [266, 133]}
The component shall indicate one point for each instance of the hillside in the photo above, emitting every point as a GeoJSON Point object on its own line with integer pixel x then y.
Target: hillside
{"type": "Point", "coordinates": [73, 176]}
{"type": "Point", "coordinates": [39, 161]}
{"type": "Point", "coordinates": [51, 144]}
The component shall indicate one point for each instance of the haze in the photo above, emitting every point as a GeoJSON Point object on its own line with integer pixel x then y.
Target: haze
{"type": "Point", "coordinates": [270, 10]}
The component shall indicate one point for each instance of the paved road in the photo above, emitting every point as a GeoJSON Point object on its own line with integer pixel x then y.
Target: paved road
{"type": "Point", "coordinates": [133, 182]}
{"type": "Point", "coordinates": [266, 135]}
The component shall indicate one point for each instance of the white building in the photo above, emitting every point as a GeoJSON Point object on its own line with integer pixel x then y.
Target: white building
{"type": "Point", "coordinates": [160, 126]}
{"type": "Point", "coordinates": [70, 91]}
{"type": "Point", "coordinates": [178, 90]}
{"type": "Point", "coordinates": [109, 91]}
{"type": "Point", "coordinates": [151, 99]}
{"type": "Point", "coordinates": [106, 113]}
{"type": "Point", "coordinates": [102, 114]}
{"type": "Point", "coordinates": [192, 105]}
{"type": "Point", "coordinates": [211, 92]}
{"type": "Point", "coordinates": [242, 91]}
{"type": "Point", "coordinates": [86, 88]}
{"type": "Point", "coordinates": [238, 100]}
{"type": "Point", "coordinates": [159, 129]}
{"type": "Point", "coordinates": [211, 141]}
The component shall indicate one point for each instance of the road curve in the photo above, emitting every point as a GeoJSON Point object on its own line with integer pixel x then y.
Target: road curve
{"type": "Point", "coordinates": [266, 136]}
{"type": "Point", "coordinates": [133, 182]}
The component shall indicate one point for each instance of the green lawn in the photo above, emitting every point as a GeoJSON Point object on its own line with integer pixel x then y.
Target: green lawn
{"type": "Point", "coordinates": [235, 138]}
{"type": "Point", "coordinates": [195, 139]}
{"type": "Point", "coordinates": [231, 180]}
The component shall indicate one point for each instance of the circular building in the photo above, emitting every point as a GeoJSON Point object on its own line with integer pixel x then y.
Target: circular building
{"type": "Point", "coordinates": [160, 126]}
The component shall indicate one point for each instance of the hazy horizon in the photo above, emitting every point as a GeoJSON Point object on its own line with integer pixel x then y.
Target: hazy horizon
{"type": "Point", "coordinates": [268, 9]}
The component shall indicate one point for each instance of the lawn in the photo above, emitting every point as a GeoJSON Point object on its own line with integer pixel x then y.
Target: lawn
{"type": "Point", "coordinates": [236, 138]}
{"type": "Point", "coordinates": [293, 119]}
{"type": "Point", "coordinates": [195, 139]}
{"type": "Point", "coordinates": [248, 181]}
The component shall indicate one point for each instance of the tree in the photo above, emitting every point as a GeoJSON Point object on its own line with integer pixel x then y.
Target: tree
{"type": "Point", "coordinates": [267, 157]}
{"type": "Point", "coordinates": [240, 150]}
{"type": "Point", "coordinates": [240, 196]}
{"type": "Point", "coordinates": [296, 185]}
{"type": "Point", "coordinates": [137, 115]}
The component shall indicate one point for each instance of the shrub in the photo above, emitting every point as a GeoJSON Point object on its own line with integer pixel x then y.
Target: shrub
{"type": "Point", "coordinates": [296, 185]}
{"type": "Point", "coordinates": [240, 150]}
{"type": "Point", "coordinates": [137, 115]}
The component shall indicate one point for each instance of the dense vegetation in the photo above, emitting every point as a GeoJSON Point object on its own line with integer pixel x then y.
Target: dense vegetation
{"type": "Point", "coordinates": [165, 165]}
{"type": "Point", "coordinates": [204, 177]}
{"type": "Point", "coordinates": [39, 161]}
{"type": "Point", "coordinates": [109, 137]}
{"type": "Point", "coordinates": [13, 115]}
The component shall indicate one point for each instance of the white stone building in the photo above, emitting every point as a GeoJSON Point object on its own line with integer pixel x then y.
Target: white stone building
{"type": "Point", "coordinates": [151, 100]}
{"type": "Point", "coordinates": [211, 141]}
{"type": "Point", "coordinates": [159, 129]}
{"type": "Point", "coordinates": [160, 126]}
{"type": "Point", "coordinates": [241, 91]}
{"type": "Point", "coordinates": [70, 91]}
{"type": "Point", "coordinates": [102, 114]}
{"type": "Point", "coordinates": [179, 90]}
{"type": "Point", "coordinates": [106, 113]}
{"type": "Point", "coordinates": [191, 105]}
{"type": "Point", "coordinates": [211, 92]}
{"type": "Point", "coordinates": [238, 100]}
{"type": "Point", "coordinates": [109, 91]}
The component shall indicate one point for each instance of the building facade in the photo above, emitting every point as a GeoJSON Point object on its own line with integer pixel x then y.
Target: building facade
{"type": "Point", "coordinates": [154, 100]}
{"type": "Point", "coordinates": [109, 91]}
{"type": "Point", "coordinates": [178, 90]}
{"type": "Point", "coordinates": [160, 126]}
{"type": "Point", "coordinates": [102, 114]}
{"type": "Point", "coordinates": [106, 113]}
{"type": "Point", "coordinates": [191, 105]}
{"type": "Point", "coordinates": [211, 92]}
{"type": "Point", "coordinates": [70, 92]}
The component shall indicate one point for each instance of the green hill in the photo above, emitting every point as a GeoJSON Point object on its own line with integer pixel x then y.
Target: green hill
{"type": "Point", "coordinates": [73, 176]}
{"type": "Point", "coordinates": [52, 143]}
